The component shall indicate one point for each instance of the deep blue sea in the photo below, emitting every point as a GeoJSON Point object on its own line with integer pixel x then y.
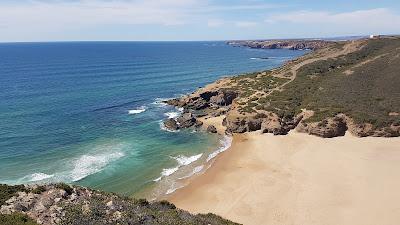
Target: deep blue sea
{"type": "Point", "coordinates": [89, 113]}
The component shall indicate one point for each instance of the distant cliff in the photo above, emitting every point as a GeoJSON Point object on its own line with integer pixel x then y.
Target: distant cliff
{"type": "Point", "coordinates": [341, 86]}
{"type": "Point", "coordinates": [281, 44]}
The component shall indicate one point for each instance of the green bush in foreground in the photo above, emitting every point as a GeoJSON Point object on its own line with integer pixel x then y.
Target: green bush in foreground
{"type": "Point", "coordinates": [16, 219]}
{"type": "Point", "coordinates": [6, 192]}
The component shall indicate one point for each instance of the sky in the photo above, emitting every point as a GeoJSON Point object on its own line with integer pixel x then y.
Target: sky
{"type": "Point", "coordinates": [177, 20]}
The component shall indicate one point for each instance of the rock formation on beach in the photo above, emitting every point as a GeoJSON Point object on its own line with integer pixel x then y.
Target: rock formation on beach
{"type": "Point", "coordinates": [340, 86]}
{"type": "Point", "coordinates": [66, 204]}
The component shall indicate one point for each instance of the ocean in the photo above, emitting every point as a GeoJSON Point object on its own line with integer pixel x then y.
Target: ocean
{"type": "Point", "coordinates": [90, 113]}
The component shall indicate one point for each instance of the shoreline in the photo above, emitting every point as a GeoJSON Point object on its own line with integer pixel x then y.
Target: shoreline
{"type": "Point", "coordinates": [299, 179]}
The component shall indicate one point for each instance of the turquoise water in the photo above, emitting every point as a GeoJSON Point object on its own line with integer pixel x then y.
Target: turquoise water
{"type": "Point", "coordinates": [89, 112]}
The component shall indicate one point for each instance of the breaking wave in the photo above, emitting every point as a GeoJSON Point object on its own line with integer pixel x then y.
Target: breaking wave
{"type": "Point", "coordinates": [226, 142]}
{"type": "Point", "coordinates": [90, 164]}
{"type": "Point", "coordinates": [137, 110]}
{"type": "Point", "coordinates": [35, 177]}
{"type": "Point", "coordinates": [182, 161]}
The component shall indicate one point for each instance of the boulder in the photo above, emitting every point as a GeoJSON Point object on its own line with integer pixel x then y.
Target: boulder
{"type": "Point", "coordinates": [212, 129]}
{"type": "Point", "coordinates": [272, 125]}
{"type": "Point", "coordinates": [186, 120]}
{"type": "Point", "coordinates": [198, 123]}
{"type": "Point", "coordinates": [196, 104]}
{"type": "Point", "coordinates": [171, 124]}
{"type": "Point", "coordinates": [223, 98]}
{"type": "Point", "coordinates": [327, 128]}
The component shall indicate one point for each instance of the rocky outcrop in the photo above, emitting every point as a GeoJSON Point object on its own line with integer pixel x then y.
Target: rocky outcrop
{"type": "Point", "coordinates": [171, 124]}
{"type": "Point", "coordinates": [186, 120]}
{"type": "Point", "coordinates": [212, 129]}
{"type": "Point", "coordinates": [223, 98]}
{"type": "Point", "coordinates": [204, 100]}
{"type": "Point", "coordinates": [267, 123]}
{"type": "Point", "coordinates": [64, 204]}
{"type": "Point", "coordinates": [327, 128]}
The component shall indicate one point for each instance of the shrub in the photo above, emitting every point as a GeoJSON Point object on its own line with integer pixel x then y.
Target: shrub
{"type": "Point", "coordinates": [39, 190]}
{"type": "Point", "coordinates": [67, 188]}
{"type": "Point", "coordinates": [7, 191]}
{"type": "Point", "coordinates": [16, 219]}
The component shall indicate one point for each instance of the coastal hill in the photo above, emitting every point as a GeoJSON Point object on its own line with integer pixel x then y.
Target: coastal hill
{"type": "Point", "coordinates": [281, 44]}
{"type": "Point", "coordinates": [69, 205]}
{"type": "Point", "coordinates": [340, 86]}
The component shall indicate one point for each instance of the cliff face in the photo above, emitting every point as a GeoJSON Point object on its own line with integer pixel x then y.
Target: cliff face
{"type": "Point", "coordinates": [65, 204]}
{"type": "Point", "coordinates": [345, 86]}
{"type": "Point", "coordinates": [282, 44]}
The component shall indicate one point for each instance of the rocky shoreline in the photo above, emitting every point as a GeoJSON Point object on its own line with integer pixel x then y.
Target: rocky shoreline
{"type": "Point", "coordinates": [225, 98]}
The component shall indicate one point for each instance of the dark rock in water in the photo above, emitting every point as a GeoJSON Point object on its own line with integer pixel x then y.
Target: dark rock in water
{"type": "Point", "coordinates": [186, 120]}
{"type": "Point", "coordinates": [173, 102]}
{"type": "Point", "coordinates": [171, 124]}
{"type": "Point", "coordinates": [211, 129]}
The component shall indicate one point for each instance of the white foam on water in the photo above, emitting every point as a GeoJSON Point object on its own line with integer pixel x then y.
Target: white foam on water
{"type": "Point", "coordinates": [184, 161]}
{"type": "Point", "coordinates": [137, 110]}
{"type": "Point", "coordinates": [90, 164]}
{"type": "Point", "coordinates": [196, 170]}
{"type": "Point", "coordinates": [226, 142]}
{"type": "Point", "coordinates": [167, 172]}
{"type": "Point", "coordinates": [160, 101]}
{"type": "Point", "coordinates": [172, 115]}
{"type": "Point", "coordinates": [35, 177]}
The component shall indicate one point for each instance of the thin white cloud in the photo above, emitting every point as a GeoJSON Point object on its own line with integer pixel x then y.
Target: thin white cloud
{"type": "Point", "coordinates": [380, 19]}
{"type": "Point", "coordinates": [58, 14]}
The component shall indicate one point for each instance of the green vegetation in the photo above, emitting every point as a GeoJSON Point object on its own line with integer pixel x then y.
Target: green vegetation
{"type": "Point", "coordinates": [368, 93]}
{"type": "Point", "coordinates": [65, 187]}
{"type": "Point", "coordinates": [7, 191]}
{"type": "Point", "coordinates": [16, 219]}
{"type": "Point", "coordinates": [130, 211]}
{"type": "Point", "coordinates": [39, 189]}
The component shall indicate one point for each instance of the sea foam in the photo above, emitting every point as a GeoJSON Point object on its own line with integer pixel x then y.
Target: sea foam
{"type": "Point", "coordinates": [226, 142]}
{"type": "Point", "coordinates": [90, 164]}
{"type": "Point", "coordinates": [35, 177]}
{"type": "Point", "coordinates": [137, 110]}
{"type": "Point", "coordinates": [182, 161]}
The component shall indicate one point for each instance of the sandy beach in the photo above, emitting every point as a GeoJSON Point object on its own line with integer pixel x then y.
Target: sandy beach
{"type": "Point", "coordinates": [300, 179]}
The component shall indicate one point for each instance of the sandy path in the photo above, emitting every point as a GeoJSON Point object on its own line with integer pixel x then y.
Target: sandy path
{"type": "Point", "coordinates": [301, 179]}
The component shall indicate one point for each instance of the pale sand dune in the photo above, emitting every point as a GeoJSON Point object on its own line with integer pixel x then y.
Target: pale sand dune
{"type": "Point", "coordinates": [301, 179]}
